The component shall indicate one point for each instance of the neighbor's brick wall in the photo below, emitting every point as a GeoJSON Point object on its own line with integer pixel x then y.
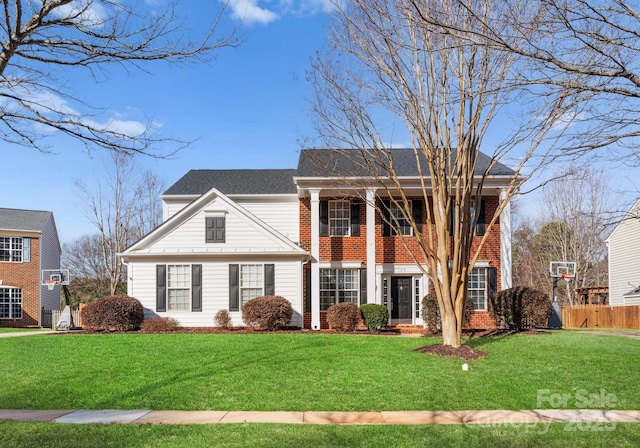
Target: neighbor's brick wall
{"type": "Point", "coordinates": [27, 277]}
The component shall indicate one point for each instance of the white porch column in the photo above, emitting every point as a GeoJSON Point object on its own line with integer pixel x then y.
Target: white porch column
{"type": "Point", "coordinates": [505, 243]}
{"type": "Point", "coordinates": [372, 287]}
{"type": "Point", "coordinates": [315, 258]}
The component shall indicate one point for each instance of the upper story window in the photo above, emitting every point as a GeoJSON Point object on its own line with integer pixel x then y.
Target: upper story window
{"type": "Point", "coordinates": [399, 225]}
{"type": "Point", "coordinates": [339, 218]}
{"type": "Point", "coordinates": [11, 249]}
{"type": "Point", "coordinates": [215, 229]}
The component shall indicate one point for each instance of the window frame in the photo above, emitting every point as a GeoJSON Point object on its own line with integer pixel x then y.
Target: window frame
{"type": "Point", "coordinates": [189, 282]}
{"type": "Point", "coordinates": [260, 271]}
{"type": "Point", "coordinates": [15, 249]}
{"type": "Point", "coordinates": [471, 290]}
{"type": "Point", "coordinates": [12, 301]}
{"type": "Point", "coordinates": [395, 214]}
{"type": "Point", "coordinates": [334, 294]}
{"type": "Point", "coordinates": [345, 218]}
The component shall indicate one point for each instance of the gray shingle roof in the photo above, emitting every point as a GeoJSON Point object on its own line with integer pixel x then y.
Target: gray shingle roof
{"type": "Point", "coordinates": [235, 182]}
{"type": "Point", "coordinates": [349, 162]}
{"type": "Point", "coordinates": [28, 220]}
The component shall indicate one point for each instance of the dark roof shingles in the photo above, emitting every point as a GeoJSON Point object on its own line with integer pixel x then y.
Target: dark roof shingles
{"type": "Point", "coordinates": [28, 220]}
{"type": "Point", "coordinates": [197, 182]}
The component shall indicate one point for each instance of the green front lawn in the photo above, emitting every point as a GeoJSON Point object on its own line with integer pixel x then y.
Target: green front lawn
{"type": "Point", "coordinates": [301, 372]}
{"type": "Point", "coordinates": [52, 435]}
{"type": "Point", "coordinates": [17, 330]}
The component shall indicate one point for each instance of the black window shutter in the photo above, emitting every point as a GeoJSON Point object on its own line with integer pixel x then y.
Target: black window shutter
{"type": "Point", "coordinates": [234, 287]}
{"type": "Point", "coordinates": [196, 287]}
{"type": "Point", "coordinates": [307, 290]}
{"type": "Point", "coordinates": [416, 211]}
{"type": "Point", "coordinates": [492, 283]}
{"type": "Point", "coordinates": [480, 222]}
{"type": "Point", "coordinates": [269, 280]}
{"type": "Point", "coordinates": [324, 218]}
{"type": "Point", "coordinates": [363, 286]}
{"type": "Point", "coordinates": [386, 227]}
{"type": "Point", "coordinates": [355, 218]}
{"type": "Point", "coordinates": [215, 229]}
{"type": "Point", "coordinates": [161, 287]}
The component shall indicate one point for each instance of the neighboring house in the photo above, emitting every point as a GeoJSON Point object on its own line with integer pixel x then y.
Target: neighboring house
{"type": "Point", "coordinates": [624, 256]}
{"type": "Point", "coordinates": [28, 244]}
{"type": "Point", "coordinates": [232, 235]}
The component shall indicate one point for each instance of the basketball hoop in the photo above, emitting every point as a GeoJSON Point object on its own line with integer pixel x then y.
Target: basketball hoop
{"type": "Point", "coordinates": [51, 283]}
{"type": "Point", "coordinates": [567, 278]}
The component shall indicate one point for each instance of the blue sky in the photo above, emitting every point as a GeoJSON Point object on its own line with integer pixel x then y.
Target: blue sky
{"type": "Point", "coordinates": [246, 108]}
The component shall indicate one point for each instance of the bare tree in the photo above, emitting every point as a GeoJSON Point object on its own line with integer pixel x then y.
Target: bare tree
{"type": "Point", "coordinates": [393, 65]}
{"type": "Point", "coordinates": [122, 209]}
{"type": "Point", "coordinates": [589, 51]}
{"type": "Point", "coordinates": [46, 44]}
{"type": "Point", "coordinates": [84, 258]}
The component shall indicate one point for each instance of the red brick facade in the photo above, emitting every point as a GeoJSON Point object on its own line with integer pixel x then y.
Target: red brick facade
{"type": "Point", "coordinates": [391, 250]}
{"type": "Point", "coordinates": [25, 276]}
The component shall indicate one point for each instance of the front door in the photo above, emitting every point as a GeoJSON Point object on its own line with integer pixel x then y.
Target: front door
{"type": "Point", "coordinates": [401, 298]}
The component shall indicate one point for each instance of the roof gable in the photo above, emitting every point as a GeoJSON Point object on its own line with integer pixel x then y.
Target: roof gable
{"type": "Point", "coordinates": [633, 215]}
{"type": "Point", "coordinates": [269, 240]}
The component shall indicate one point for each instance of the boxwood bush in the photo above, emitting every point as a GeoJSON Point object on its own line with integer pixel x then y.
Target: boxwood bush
{"type": "Point", "coordinates": [267, 312]}
{"type": "Point", "coordinates": [113, 313]}
{"type": "Point", "coordinates": [375, 316]}
{"type": "Point", "coordinates": [520, 308]}
{"type": "Point", "coordinates": [431, 312]}
{"type": "Point", "coordinates": [343, 316]}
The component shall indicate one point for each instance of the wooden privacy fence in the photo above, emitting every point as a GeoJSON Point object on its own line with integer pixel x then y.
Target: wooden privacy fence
{"type": "Point", "coordinates": [601, 316]}
{"type": "Point", "coordinates": [50, 317]}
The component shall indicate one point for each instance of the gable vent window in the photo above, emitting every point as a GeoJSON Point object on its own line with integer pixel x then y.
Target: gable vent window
{"type": "Point", "coordinates": [215, 229]}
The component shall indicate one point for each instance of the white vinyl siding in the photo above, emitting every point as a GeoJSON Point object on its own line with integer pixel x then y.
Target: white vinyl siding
{"type": "Point", "coordinates": [241, 235]}
{"type": "Point", "coordinates": [215, 289]}
{"type": "Point", "coordinates": [624, 252]}
{"type": "Point", "coordinates": [49, 247]}
{"type": "Point", "coordinates": [280, 213]}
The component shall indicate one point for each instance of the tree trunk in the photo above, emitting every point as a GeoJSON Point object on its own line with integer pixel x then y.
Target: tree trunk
{"type": "Point", "coordinates": [450, 332]}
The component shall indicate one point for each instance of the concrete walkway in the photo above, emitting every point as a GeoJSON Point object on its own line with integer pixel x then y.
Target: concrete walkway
{"type": "Point", "coordinates": [27, 333]}
{"type": "Point", "coordinates": [489, 417]}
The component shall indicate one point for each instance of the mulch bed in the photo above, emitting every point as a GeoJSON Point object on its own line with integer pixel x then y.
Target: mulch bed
{"type": "Point", "coordinates": [463, 352]}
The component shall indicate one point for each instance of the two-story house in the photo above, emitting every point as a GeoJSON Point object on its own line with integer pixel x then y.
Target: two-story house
{"type": "Point", "coordinates": [313, 237]}
{"type": "Point", "coordinates": [28, 245]}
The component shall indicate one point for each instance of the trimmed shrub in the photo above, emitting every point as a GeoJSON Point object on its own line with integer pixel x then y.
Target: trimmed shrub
{"type": "Point", "coordinates": [375, 316]}
{"type": "Point", "coordinates": [343, 316]}
{"type": "Point", "coordinates": [113, 313]}
{"type": "Point", "coordinates": [267, 312]}
{"type": "Point", "coordinates": [431, 312]}
{"type": "Point", "coordinates": [159, 325]}
{"type": "Point", "coordinates": [520, 308]}
{"type": "Point", "coordinates": [222, 319]}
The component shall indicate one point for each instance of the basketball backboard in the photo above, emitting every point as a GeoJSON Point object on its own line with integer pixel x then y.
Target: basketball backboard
{"type": "Point", "coordinates": [61, 276]}
{"type": "Point", "coordinates": [560, 269]}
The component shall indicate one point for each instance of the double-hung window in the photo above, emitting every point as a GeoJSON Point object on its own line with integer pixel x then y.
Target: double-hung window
{"type": "Point", "coordinates": [339, 218]}
{"type": "Point", "coordinates": [251, 282]}
{"type": "Point", "coordinates": [337, 286]}
{"type": "Point", "coordinates": [10, 303]}
{"type": "Point", "coordinates": [10, 249]}
{"type": "Point", "coordinates": [399, 225]}
{"type": "Point", "coordinates": [477, 289]}
{"type": "Point", "coordinates": [179, 287]}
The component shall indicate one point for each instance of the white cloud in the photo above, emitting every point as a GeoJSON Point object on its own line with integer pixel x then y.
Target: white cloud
{"type": "Point", "coordinates": [90, 14]}
{"type": "Point", "coordinates": [249, 12]}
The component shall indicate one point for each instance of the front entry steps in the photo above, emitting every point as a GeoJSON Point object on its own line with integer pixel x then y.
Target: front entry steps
{"type": "Point", "coordinates": [408, 329]}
